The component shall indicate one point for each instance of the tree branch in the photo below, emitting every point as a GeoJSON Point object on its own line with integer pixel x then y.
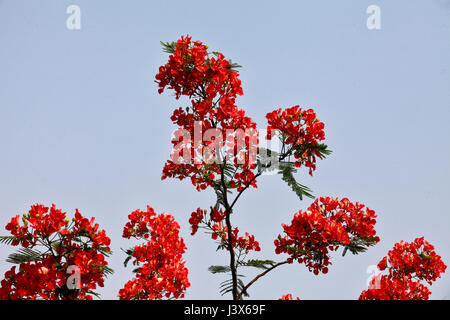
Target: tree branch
{"type": "Point", "coordinates": [239, 297]}
{"type": "Point", "coordinates": [228, 211]}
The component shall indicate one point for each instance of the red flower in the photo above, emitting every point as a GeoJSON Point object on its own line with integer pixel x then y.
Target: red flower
{"type": "Point", "coordinates": [77, 243]}
{"type": "Point", "coordinates": [326, 225]}
{"type": "Point", "coordinates": [162, 271]}
{"type": "Point", "coordinates": [301, 132]}
{"type": "Point", "coordinates": [407, 265]}
{"type": "Point", "coordinates": [395, 289]}
{"type": "Point", "coordinates": [287, 297]}
{"type": "Point", "coordinates": [212, 85]}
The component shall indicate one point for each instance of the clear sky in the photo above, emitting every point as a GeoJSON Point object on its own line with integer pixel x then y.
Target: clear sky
{"type": "Point", "coordinates": [82, 124]}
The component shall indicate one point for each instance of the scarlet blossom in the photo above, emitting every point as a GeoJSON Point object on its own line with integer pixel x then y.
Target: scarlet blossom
{"type": "Point", "coordinates": [219, 231]}
{"type": "Point", "coordinates": [406, 265]}
{"type": "Point", "coordinates": [162, 271]}
{"type": "Point", "coordinates": [212, 85]}
{"type": "Point", "coordinates": [387, 288]}
{"type": "Point", "coordinates": [245, 243]}
{"type": "Point", "coordinates": [287, 297]}
{"type": "Point", "coordinates": [196, 219]}
{"type": "Point", "coordinates": [44, 275]}
{"type": "Point", "coordinates": [301, 131]}
{"type": "Point", "coordinates": [329, 223]}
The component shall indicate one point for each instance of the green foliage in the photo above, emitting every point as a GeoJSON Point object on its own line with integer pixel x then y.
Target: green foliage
{"type": "Point", "coordinates": [229, 171]}
{"type": "Point", "coordinates": [233, 66]}
{"type": "Point", "coordinates": [219, 269]}
{"type": "Point", "coordinates": [94, 294]}
{"type": "Point", "coordinates": [129, 253]}
{"type": "Point", "coordinates": [107, 270]}
{"type": "Point", "coordinates": [227, 286]}
{"type": "Point", "coordinates": [8, 240]}
{"type": "Point", "coordinates": [219, 195]}
{"type": "Point", "coordinates": [168, 47]}
{"type": "Point", "coordinates": [424, 256]}
{"type": "Point", "coordinates": [322, 150]}
{"type": "Point", "coordinates": [222, 246]}
{"type": "Point", "coordinates": [359, 245]}
{"type": "Point", "coordinates": [135, 270]}
{"type": "Point", "coordinates": [24, 255]}
{"type": "Point", "coordinates": [260, 264]}
{"type": "Point", "coordinates": [287, 170]}
{"type": "Point", "coordinates": [105, 251]}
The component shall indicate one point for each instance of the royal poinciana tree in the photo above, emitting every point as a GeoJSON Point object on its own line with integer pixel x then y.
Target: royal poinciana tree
{"type": "Point", "coordinates": [216, 147]}
{"type": "Point", "coordinates": [55, 250]}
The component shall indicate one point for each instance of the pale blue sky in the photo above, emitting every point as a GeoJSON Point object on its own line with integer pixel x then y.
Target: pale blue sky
{"type": "Point", "coordinates": [82, 124]}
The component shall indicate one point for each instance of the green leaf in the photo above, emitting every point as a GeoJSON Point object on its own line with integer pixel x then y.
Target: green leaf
{"type": "Point", "coordinates": [323, 150]}
{"type": "Point", "coordinates": [425, 257]}
{"type": "Point", "coordinates": [233, 66]}
{"type": "Point", "coordinates": [222, 246]}
{"type": "Point", "coordinates": [168, 47]}
{"type": "Point", "coordinates": [129, 253]}
{"type": "Point", "coordinates": [227, 287]}
{"type": "Point", "coordinates": [261, 264]}
{"type": "Point", "coordinates": [94, 293]}
{"type": "Point", "coordinates": [241, 287]}
{"type": "Point", "coordinates": [287, 170]}
{"type": "Point", "coordinates": [228, 170]}
{"type": "Point", "coordinates": [136, 270]}
{"type": "Point", "coordinates": [8, 240]}
{"type": "Point", "coordinates": [24, 255]}
{"type": "Point", "coordinates": [219, 269]}
{"type": "Point", "coordinates": [107, 270]}
{"type": "Point", "coordinates": [104, 250]}
{"type": "Point", "coordinates": [358, 245]}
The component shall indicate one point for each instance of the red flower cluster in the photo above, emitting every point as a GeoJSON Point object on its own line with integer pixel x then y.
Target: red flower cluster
{"type": "Point", "coordinates": [220, 231]}
{"type": "Point", "coordinates": [200, 216]}
{"type": "Point", "coordinates": [385, 288]}
{"type": "Point", "coordinates": [407, 264]}
{"type": "Point", "coordinates": [212, 85]}
{"type": "Point", "coordinates": [245, 243]}
{"type": "Point", "coordinates": [190, 63]}
{"type": "Point", "coordinates": [67, 243]}
{"type": "Point", "coordinates": [287, 297]}
{"type": "Point", "coordinates": [163, 272]}
{"type": "Point", "coordinates": [300, 131]}
{"type": "Point", "coordinates": [195, 219]}
{"type": "Point", "coordinates": [327, 224]}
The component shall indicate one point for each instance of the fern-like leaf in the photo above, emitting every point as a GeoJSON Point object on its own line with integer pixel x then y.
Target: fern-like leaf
{"type": "Point", "coordinates": [219, 269]}
{"type": "Point", "coordinates": [24, 255]}
{"type": "Point", "coordinates": [260, 264]}
{"type": "Point", "coordinates": [287, 171]}
{"type": "Point", "coordinates": [359, 245]}
{"type": "Point", "coordinates": [8, 240]}
{"type": "Point", "coordinates": [168, 47]}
